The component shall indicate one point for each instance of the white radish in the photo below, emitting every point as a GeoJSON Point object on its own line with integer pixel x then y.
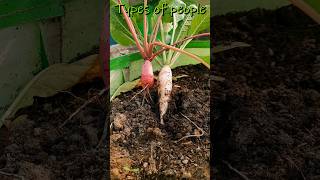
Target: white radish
{"type": "Point", "coordinates": [164, 90]}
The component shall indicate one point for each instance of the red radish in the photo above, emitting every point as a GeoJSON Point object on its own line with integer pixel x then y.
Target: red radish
{"type": "Point", "coordinates": [147, 78]}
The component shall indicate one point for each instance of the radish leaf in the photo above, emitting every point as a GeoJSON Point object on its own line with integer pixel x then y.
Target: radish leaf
{"type": "Point", "coordinates": [125, 87]}
{"type": "Point", "coordinates": [119, 29]}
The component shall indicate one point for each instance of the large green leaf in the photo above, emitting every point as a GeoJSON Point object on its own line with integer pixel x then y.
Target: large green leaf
{"type": "Point", "coordinates": [183, 60]}
{"type": "Point", "coordinates": [192, 25]}
{"type": "Point", "coordinates": [184, 26]}
{"type": "Point", "coordinates": [116, 79]}
{"type": "Point", "coordinates": [200, 22]}
{"type": "Point", "coordinates": [166, 16]}
{"type": "Point", "coordinates": [49, 82]}
{"type": "Point", "coordinates": [119, 29]}
{"type": "Point", "coordinates": [124, 61]}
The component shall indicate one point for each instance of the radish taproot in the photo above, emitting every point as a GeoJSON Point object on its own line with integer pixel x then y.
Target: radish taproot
{"type": "Point", "coordinates": [146, 50]}
{"type": "Point", "coordinates": [164, 90]}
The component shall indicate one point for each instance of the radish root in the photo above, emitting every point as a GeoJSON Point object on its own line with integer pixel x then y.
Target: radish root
{"type": "Point", "coordinates": [137, 93]}
{"type": "Point", "coordinates": [193, 135]}
{"type": "Point", "coordinates": [164, 90]}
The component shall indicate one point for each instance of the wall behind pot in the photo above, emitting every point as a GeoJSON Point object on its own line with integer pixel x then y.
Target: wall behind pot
{"type": "Point", "coordinates": [30, 44]}
{"type": "Point", "coordinates": [81, 27]}
{"type": "Point", "coordinates": [19, 60]}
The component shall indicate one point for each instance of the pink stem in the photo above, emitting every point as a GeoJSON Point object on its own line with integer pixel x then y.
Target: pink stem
{"type": "Point", "coordinates": [145, 29]}
{"type": "Point", "coordinates": [132, 30]}
{"type": "Point", "coordinates": [154, 34]}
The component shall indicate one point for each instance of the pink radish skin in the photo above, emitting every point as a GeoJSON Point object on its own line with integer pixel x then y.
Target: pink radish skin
{"type": "Point", "coordinates": [164, 90]}
{"type": "Point", "coordinates": [147, 78]}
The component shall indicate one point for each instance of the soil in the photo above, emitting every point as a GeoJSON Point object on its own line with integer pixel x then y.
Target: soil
{"type": "Point", "coordinates": [266, 99]}
{"type": "Point", "coordinates": [142, 148]}
{"type": "Point", "coordinates": [33, 147]}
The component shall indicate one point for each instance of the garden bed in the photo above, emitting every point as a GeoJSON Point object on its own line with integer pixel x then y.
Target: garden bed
{"type": "Point", "coordinates": [34, 147]}
{"type": "Point", "coordinates": [267, 110]}
{"type": "Point", "coordinates": [142, 148]}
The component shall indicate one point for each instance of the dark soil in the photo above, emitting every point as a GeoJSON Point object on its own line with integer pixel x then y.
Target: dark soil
{"type": "Point", "coordinates": [35, 148]}
{"type": "Point", "coordinates": [266, 114]}
{"type": "Point", "coordinates": [141, 148]}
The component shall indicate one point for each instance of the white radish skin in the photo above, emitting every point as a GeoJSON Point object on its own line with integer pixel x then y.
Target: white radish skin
{"type": "Point", "coordinates": [164, 90]}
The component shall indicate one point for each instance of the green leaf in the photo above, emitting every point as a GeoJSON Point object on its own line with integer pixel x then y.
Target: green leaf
{"type": "Point", "coordinates": [183, 60]}
{"type": "Point", "coordinates": [124, 61]}
{"type": "Point", "coordinates": [183, 28]}
{"type": "Point", "coordinates": [167, 19]}
{"type": "Point", "coordinates": [190, 26]}
{"type": "Point", "coordinates": [170, 3]}
{"type": "Point", "coordinates": [119, 29]}
{"type": "Point", "coordinates": [200, 22]}
{"type": "Point", "coordinates": [199, 44]}
{"type": "Point", "coordinates": [125, 87]}
{"type": "Point", "coordinates": [54, 79]}
{"type": "Point", "coordinates": [116, 79]}
{"type": "Point", "coordinates": [178, 17]}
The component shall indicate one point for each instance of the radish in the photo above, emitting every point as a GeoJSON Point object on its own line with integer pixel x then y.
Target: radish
{"type": "Point", "coordinates": [164, 90]}
{"type": "Point", "coordinates": [147, 78]}
{"type": "Point", "coordinates": [146, 50]}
